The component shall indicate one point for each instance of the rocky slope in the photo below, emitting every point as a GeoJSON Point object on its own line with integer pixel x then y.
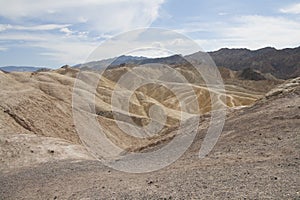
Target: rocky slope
{"type": "Point", "coordinates": [282, 64]}
{"type": "Point", "coordinates": [41, 102]}
{"type": "Point", "coordinates": [256, 157]}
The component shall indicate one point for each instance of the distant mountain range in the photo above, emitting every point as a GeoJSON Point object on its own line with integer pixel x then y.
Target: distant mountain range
{"type": "Point", "coordinates": [112, 62]}
{"type": "Point", "coordinates": [20, 69]}
{"type": "Point", "coordinates": [283, 64]}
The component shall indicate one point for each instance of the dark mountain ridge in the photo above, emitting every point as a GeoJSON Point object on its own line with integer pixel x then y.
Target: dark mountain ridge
{"type": "Point", "coordinates": [282, 64]}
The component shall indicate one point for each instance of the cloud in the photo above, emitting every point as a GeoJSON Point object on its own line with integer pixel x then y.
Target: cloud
{"type": "Point", "coordinates": [152, 42]}
{"type": "Point", "coordinates": [291, 9]}
{"type": "Point", "coordinates": [222, 13]}
{"type": "Point", "coordinates": [260, 31]}
{"type": "Point", "coordinates": [3, 48]}
{"type": "Point", "coordinates": [77, 52]}
{"type": "Point", "coordinates": [23, 8]}
{"type": "Point", "coordinates": [44, 27]}
{"type": "Point", "coordinates": [101, 16]}
{"type": "Point", "coordinates": [67, 31]}
{"type": "Point", "coordinates": [64, 49]}
{"type": "Point", "coordinates": [250, 31]}
{"type": "Point", "coordinates": [24, 37]}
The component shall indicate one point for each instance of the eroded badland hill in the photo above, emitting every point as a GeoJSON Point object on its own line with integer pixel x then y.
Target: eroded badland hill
{"type": "Point", "coordinates": [42, 156]}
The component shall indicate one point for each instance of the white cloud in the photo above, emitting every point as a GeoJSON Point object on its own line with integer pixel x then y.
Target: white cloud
{"type": "Point", "coordinates": [151, 53]}
{"type": "Point", "coordinates": [44, 27]}
{"type": "Point", "coordinates": [3, 48]}
{"type": "Point", "coordinates": [253, 32]}
{"type": "Point", "coordinates": [291, 9]}
{"type": "Point", "coordinates": [152, 42]}
{"type": "Point", "coordinates": [102, 16]}
{"type": "Point", "coordinates": [67, 52]}
{"type": "Point", "coordinates": [222, 13]}
{"type": "Point", "coordinates": [67, 31]}
{"type": "Point", "coordinates": [260, 31]}
{"type": "Point", "coordinates": [24, 8]}
{"type": "Point", "coordinates": [66, 38]}
{"type": "Point", "coordinates": [24, 37]}
{"type": "Point", "coordinates": [70, 49]}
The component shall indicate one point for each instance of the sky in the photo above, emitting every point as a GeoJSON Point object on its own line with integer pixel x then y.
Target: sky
{"type": "Point", "coordinates": [52, 33]}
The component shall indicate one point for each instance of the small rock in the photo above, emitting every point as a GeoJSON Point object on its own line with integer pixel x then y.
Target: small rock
{"type": "Point", "coordinates": [65, 67]}
{"type": "Point", "coordinates": [274, 178]}
{"type": "Point", "coordinates": [51, 151]}
{"type": "Point", "coordinates": [150, 182]}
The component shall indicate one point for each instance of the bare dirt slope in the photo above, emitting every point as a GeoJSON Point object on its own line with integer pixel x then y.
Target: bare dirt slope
{"type": "Point", "coordinates": [40, 104]}
{"type": "Point", "coordinates": [256, 157]}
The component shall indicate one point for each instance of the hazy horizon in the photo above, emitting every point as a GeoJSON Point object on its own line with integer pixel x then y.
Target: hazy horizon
{"type": "Point", "coordinates": [134, 55]}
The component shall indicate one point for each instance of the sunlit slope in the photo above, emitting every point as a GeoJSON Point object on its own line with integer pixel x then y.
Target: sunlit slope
{"type": "Point", "coordinates": [41, 103]}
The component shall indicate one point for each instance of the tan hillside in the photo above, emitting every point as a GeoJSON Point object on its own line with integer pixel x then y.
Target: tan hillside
{"type": "Point", "coordinates": [41, 103]}
{"type": "Point", "coordinates": [258, 148]}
